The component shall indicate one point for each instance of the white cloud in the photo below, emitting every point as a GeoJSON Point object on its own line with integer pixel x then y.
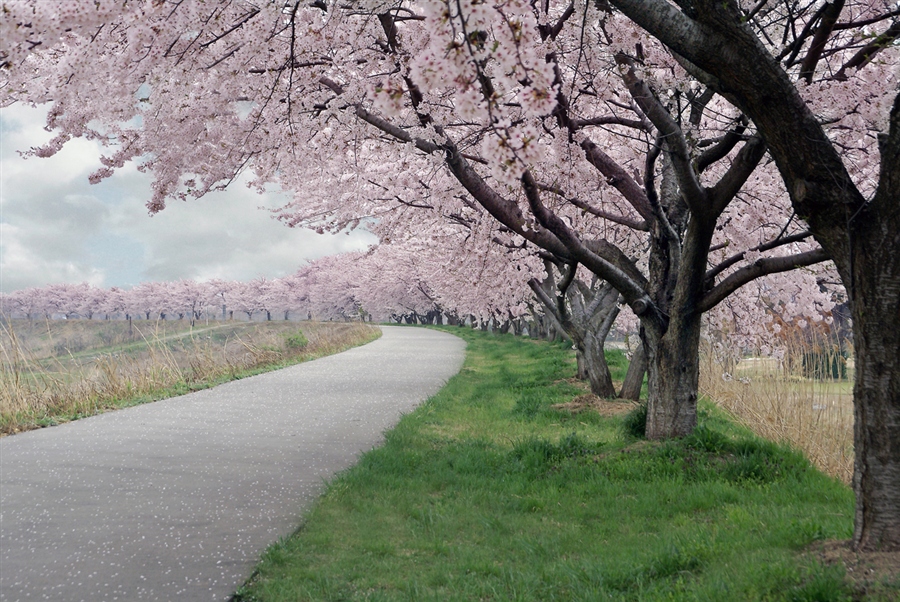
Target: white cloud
{"type": "Point", "coordinates": [19, 265]}
{"type": "Point", "coordinates": [56, 227]}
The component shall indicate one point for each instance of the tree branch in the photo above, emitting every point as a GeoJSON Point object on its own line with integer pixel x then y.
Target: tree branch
{"type": "Point", "coordinates": [768, 246]}
{"type": "Point", "coordinates": [820, 38]}
{"type": "Point", "coordinates": [867, 53]}
{"type": "Point", "coordinates": [632, 289]}
{"type": "Point", "coordinates": [761, 267]}
{"type": "Point", "coordinates": [608, 120]}
{"type": "Point", "coordinates": [741, 168]}
{"type": "Point", "coordinates": [618, 178]}
{"type": "Point", "coordinates": [694, 194]}
{"type": "Point", "coordinates": [584, 206]}
{"type": "Point", "coordinates": [720, 150]}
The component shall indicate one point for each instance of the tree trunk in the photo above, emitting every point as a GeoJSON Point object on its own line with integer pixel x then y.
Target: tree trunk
{"type": "Point", "coordinates": [634, 378]}
{"type": "Point", "coordinates": [875, 304]}
{"type": "Point", "coordinates": [596, 368]}
{"type": "Point", "coordinates": [673, 370]}
{"type": "Point", "coordinates": [673, 347]}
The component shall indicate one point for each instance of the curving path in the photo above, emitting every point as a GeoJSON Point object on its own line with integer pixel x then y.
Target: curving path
{"type": "Point", "coordinates": [176, 500]}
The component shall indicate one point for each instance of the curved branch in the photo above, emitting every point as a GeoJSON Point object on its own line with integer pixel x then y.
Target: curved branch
{"type": "Point", "coordinates": [633, 289]}
{"type": "Point", "coordinates": [720, 149]}
{"type": "Point", "coordinates": [768, 246]}
{"type": "Point", "coordinates": [584, 206]}
{"type": "Point", "coordinates": [694, 193]}
{"type": "Point", "coordinates": [761, 267]}
{"type": "Point", "coordinates": [830, 14]}
{"type": "Point", "coordinates": [618, 178]}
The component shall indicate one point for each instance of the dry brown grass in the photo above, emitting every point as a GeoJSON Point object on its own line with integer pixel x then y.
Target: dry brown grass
{"type": "Point", "coordinates": [775, 400]}
{"type": "Point", "coordinates": [56, 371]}
{"type": "Point", "coordinates": [589, 402]}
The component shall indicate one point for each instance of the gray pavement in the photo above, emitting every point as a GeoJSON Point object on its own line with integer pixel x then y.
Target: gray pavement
{"type": "Point", "coordinates": [175, 500]}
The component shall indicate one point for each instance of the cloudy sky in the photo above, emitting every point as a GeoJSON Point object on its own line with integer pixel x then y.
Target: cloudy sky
{"type": "Point", "coordinates": [56, 227]}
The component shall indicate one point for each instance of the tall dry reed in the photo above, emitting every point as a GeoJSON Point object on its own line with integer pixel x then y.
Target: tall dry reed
{"type": "Point", "coordinates": [800, 399]}
{"type": "Point", "coordinates": [40, 386]}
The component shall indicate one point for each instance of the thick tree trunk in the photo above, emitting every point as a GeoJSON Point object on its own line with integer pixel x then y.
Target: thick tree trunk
{"type": "Point", "coordinates": [673, 350]}
{"type": "Point", "coordinates": [673, 370]}
{"type": "Point", "coordinates": [876, 394]}
{"type": "Point", "coordinates": [634, 378]}
{"type": "Point", "coordinates": [580, 368]}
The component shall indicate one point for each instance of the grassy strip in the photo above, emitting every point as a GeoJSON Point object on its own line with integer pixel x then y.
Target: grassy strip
{"type": "Point", "coordinates": [121, 376]}
{"type": "Point", "coordinates": [485, 492]}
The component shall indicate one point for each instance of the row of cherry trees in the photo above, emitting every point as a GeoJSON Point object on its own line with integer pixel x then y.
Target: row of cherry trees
{"type": "Point", "coordinates": [150, 300]}
{"type": "Point", "coordinates": [675, 153]}
{"type": "Point", "coordinates": [378, 285]}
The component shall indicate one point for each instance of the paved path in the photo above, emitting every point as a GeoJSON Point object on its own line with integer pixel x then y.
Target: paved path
{"type": "Point", "coordinates": [175, 500]}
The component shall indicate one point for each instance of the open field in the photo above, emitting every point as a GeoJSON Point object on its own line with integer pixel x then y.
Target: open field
{"type": "Point", "coordinates": [502, 487]}
{"type": "Point", "coordinates": [813, 415]}
{"type": "Point", "coordinates": [53, 371]}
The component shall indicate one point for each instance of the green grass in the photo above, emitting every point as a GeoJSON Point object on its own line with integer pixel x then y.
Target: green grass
{"type": "Point", "coordinates": [487, 493]}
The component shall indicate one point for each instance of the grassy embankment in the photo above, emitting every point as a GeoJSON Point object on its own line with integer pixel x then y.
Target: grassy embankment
{"type": "Point", "coordinates": [488, 492]}
{"type": "Point", "coordinates": [56, 371]}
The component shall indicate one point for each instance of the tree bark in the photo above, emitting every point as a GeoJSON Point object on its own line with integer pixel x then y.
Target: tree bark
{"type": "Point", "coordinates": [634, 378]}
{"type": "Point", "coordinates": [673, 369]}
{"type": "Point", "coordinates": [876, 394]}
{"type": "Point", "coordinates": [875, 303]}
{"type": "Point", "coordinates": [596, 368]}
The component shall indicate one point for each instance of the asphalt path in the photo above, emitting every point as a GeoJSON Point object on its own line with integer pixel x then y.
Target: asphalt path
{"type": "Point", "coordinates": [175, 500]}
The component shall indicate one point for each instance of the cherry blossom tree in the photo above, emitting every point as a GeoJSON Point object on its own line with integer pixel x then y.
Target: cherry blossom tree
{"type": "Point", "coordinates": [638, 154]}
{"type": "Point", "coordinates": [586, 312]}
{"type": "Point", "coordinates": [820, 82]}
{"type": "Point", "coordinates": [219, 296]}
{"type": "Point", "coordinates": [393, 123]}
{"type": "Point", "coordinates": [91, 301]}
{"type": "Point", "coordinates": [25, 302]}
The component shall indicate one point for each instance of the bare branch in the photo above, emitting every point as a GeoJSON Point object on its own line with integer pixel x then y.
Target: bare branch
{"type": "Point", "coordinates": [608, 120]}
{"type": "Point", "coordinates": [720, 149]}
{"type": "Point", "coordinates": [820, 38]}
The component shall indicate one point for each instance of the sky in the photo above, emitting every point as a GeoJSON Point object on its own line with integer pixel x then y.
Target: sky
{"type": "Point", "coordinates": [56, 227]}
